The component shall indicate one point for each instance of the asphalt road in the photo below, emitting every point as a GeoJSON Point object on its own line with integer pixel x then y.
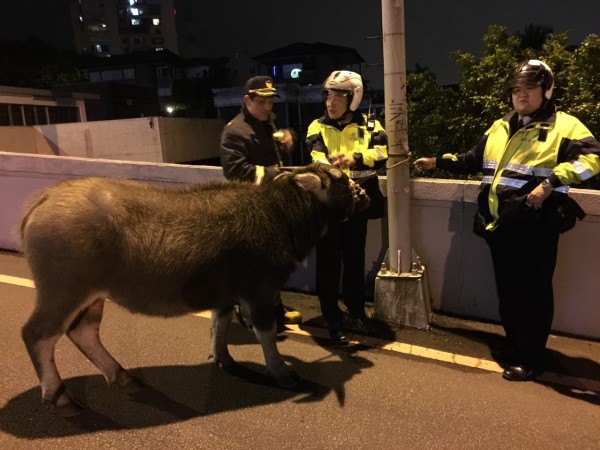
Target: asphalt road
{"type": "Point", "coordinates": [418, 390]}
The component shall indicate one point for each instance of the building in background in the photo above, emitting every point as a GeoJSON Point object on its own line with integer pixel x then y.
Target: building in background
{"type": "Point", "coordinates": [113, 27]}
{"type": "Point", "coordinates": [305, 64]}
{"type": "Point", "coordinates": [29, 107]}
{"type": "Point", "coordinates": [174, 82]}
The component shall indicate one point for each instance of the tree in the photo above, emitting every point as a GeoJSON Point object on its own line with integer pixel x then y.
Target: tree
{"type": "Point", "coordinates": [534, 36]}
{"type": "Point", "coordinates": [428, 111]}
{"type": "Point", "coordinates": [34, 63]}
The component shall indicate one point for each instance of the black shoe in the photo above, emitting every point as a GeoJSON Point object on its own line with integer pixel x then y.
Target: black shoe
{"type": "Point", "coordinates": [364, 324]}
{"type": "Point", "coordinates": [520, 373]}
{"type": "Point", "coordinates": [338, 336]}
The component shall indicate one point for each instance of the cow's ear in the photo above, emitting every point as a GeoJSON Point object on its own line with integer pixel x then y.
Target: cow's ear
{"type": "Point", "coordinates": [334, 172]}
{"type": "Point", "coordinates": [310, 182]}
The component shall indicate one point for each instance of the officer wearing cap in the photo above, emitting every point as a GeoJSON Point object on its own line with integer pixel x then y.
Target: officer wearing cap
{"type": "Point", "coordinates": [251, 150]}
{"type": "Point", "coordinates": [528, 159]}
{"type": "Point", "coordinates": [251, 145]}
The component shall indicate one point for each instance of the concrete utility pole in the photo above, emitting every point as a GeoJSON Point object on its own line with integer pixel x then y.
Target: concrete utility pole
{"type": "Point", "coordinates": [401, 294]}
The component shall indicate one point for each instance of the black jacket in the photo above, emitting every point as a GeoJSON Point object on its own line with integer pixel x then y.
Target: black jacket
{"type": "Point", "coordinates": [246, 143]}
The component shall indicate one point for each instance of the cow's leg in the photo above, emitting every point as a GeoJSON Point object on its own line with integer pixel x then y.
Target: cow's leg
{"type": "Point", "coordinates": [265, 329]}
{"type": "Point", "coordinates": [221, 319]}
{"type": "Point", "coordinates": [40, 335]}
{"type": "Point", "coordinates": [85, 334]}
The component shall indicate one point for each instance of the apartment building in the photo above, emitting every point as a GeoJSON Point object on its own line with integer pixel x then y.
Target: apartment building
{"type": "Point", "coordinates": [106, 28]}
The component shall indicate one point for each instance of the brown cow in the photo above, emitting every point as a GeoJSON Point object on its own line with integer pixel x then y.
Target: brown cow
{"type": "Point", "coordinates": [168, 251]}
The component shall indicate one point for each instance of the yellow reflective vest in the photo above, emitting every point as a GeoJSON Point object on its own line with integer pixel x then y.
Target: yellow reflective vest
{"type": "Point", "coordinates": [554, 146]}
{"type": "Point", "coordinates": [367, 144]}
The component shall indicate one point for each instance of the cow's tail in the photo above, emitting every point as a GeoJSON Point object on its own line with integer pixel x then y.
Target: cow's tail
{"type": "Point", "coordinates": [30, 209]}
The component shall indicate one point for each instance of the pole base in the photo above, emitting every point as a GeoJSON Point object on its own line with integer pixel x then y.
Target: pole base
{"type": "Point", "coordinates": [403, 300]}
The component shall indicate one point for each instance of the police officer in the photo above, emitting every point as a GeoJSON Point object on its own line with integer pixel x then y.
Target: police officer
{"type": "Point", "coordinates": [356, 144]}
{"type": "Point", "coordinates": [528, 159]}
{"type": "Point", "coordinates": [251, 151]}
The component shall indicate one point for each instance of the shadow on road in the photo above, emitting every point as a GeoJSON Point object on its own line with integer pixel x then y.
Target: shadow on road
{"type": "Point", "coordinates": [579, 370]}
{"type": "Point", "coordinates": [172, 394]}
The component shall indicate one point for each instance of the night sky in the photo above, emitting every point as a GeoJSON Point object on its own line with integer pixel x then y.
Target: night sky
{"type": "Point", "coordinates": [434, 28]}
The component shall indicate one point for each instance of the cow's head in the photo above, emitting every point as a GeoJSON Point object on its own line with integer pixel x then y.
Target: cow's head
{"type": "Point", "coordinates": [331, 187]}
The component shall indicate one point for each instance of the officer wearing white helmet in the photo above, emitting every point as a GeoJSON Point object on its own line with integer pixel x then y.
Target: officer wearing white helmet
{"type": "Point", "coordinates": [528, 159]}
{"type": "Point", "coordinates": [356, 144]}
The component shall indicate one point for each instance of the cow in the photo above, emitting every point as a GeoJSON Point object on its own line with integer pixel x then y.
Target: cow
{"type": "Point", "coordinates": [168, 251]}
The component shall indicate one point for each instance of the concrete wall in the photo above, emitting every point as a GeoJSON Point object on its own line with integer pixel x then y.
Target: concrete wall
{"type": "Point", "coordinates": [461, 280]}
{"type": "Point", "coordinates": [148, 139]}
{"type": "Point", "coordinates": [23, 140]}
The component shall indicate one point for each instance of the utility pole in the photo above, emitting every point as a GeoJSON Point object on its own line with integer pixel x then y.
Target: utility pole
{"type": "Point", "coordinates": [401, 293]}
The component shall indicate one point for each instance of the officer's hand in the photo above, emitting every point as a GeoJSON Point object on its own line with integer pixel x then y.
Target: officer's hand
{"type": "Point", "coordinates": [424, 164]}
{"type": "Point", "coordinates": [538, 195]}
{"type": "Point", "coordinates": [342, 160]}
{"type": "Point", "coordinates": [286, 138]}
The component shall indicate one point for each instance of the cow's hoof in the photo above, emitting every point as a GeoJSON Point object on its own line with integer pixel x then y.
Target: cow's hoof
{"type": "Point", "coordinates": [225, 363]}
{"type": "Point", "coordinates": [62, 403]}
{"type": "Point", "coordinates": [132, 387]}
{"type": "Point", "coordinates": [68, 409]}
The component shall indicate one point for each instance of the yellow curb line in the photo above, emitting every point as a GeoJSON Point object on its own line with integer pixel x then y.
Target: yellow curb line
{"type": "Point", "coordinates": [17, 281]}
{"type": "Point", "coordinates": [409, 349]}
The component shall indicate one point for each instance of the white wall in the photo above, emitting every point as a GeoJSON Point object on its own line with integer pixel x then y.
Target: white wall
{"type": "Point", "coordinates": [148, 139]}
{"type": "Point", "coordinates": [461, 280]}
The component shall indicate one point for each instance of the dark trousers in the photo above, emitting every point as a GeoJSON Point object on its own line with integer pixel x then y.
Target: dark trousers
{"type": "Point", "coordinates": [524, 258]}
{"type": "Point", "coordinates": [342, 252]}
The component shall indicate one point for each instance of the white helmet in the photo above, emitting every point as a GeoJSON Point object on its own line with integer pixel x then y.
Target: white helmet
{"type": "Point", "coordinates": [347, 82]}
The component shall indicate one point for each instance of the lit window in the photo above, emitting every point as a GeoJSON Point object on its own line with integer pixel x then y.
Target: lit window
{"type": "Point", "coordinates": [132, 2]}
{"type": "Point", "coordinates": [136, 22]}
{"type": "Point", "coordinates": [134, 11]}
{"type": "Point", "coordinates": [81, 18]}
{"type": "Point", "coordinates": [156, 22]}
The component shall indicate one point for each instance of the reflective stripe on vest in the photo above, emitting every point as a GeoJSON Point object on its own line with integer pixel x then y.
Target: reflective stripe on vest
{"type": "Point", "coordinates": [259, 174]}
{"type": "Point", "coordinates": [528, 170]}
{"type": "Point", "coordinates": [514, 183]}
{"type": "Point", "coordinates": [581, 170]}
